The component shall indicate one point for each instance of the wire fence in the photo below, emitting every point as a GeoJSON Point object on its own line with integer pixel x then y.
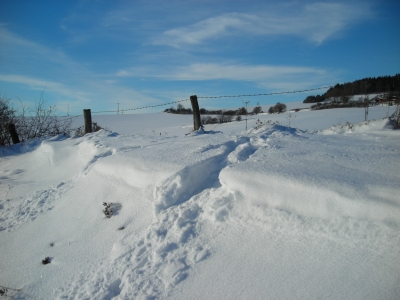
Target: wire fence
{"type": "Point", "coordinates": [138, 108]}
{"type": "Point", "coordinates": [268, 94]}
{"type": "Point", "coordinates": [212, 97]}
{"type": "Point", "coordinates": [71, 118]}
{"type": "Point", "coordinates": [50, 125]}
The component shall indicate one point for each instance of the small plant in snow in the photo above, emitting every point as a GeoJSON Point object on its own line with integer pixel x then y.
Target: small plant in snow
{"type": "Point", "coordinates": [349, 125]}
{"type": "Point", "coordinates": [8, 292]}
{"type": "Point", "coordinates": [107, 209]}
{"type": "Point", "coordinates": [8, 190]}
{"type": "Point", "coordinates": [110, 208]}
{"type": "Point", "coordinates": [3, 291]}
{"type": "Point", "coordinates": [46, 260]}
{"type": "Point", "coordinates": [290, 117]}
{"type": "Point", "coordinates": [259, 124]}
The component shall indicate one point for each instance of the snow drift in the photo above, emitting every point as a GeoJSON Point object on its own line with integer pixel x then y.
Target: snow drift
{"type": "Point", "coordinates": [272, 212]}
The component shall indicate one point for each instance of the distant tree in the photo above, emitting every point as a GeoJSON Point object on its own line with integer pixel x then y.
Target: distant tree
{"type": "Point", "coordinates": [365, 86]}
{"type": "Point", "coordinates": [257, 110]}
{"type": "Point", "coordinates": [180, 107]}
{"type": "Point", "coordinates": [277, 108]}
{"type": "Point", "coordinates": [314, 99]}
{"type": "Point", "coordinates": [229, 112]}
{"type": "Point", "coordinates": [170, 110]}
{"type": "Point", "coordinates": [242, 111]}
{"type": "Point", "coordinates": [223, 118]}
{"type": "Point", "coordinates": [179, 110]}
{"type": "Point", "coordinates": [344, 99]}
{"type": "Point", "coordinates": [280, 107]}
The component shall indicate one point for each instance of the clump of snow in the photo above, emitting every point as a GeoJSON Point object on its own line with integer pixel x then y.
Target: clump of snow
{"type": "Point", "coordinates": [371, 126]}
{"type": "Point", "coordinates": [268, 212]}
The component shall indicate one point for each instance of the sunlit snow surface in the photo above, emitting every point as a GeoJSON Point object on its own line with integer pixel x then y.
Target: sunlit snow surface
{"type": "Point", "coordinates": [274, 212]}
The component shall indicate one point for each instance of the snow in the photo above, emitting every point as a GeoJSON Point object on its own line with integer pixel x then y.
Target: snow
{"type": "Point", "coordinates": [309, 211]}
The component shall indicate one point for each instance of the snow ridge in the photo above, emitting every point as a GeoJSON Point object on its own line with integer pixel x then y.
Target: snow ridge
{"type": "Point", "coordinates": [264, 206]}
{"type": "Point", "coordinates": [172, 245]}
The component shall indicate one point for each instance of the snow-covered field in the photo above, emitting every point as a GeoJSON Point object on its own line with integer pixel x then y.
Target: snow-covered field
{"type": "Point", "coordinates": [310, 211]}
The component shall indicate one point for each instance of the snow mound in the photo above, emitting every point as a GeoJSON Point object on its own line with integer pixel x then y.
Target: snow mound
{"type": "Point", "coordinates": [271, 212]}
{"type": "Point", "coordinates": [370, 126]}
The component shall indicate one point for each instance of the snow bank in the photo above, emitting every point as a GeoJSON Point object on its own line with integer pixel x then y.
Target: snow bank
{"type": "Point", "coordinates": [271, 212]}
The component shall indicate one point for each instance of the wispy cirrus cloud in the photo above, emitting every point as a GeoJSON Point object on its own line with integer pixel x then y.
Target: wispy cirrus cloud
{"type": "Point", "coordinates": [211, 71]}
{"type": "Point", "coordinates": [268, 77]}
{"type": "Point", "coordinates": [51, 86]}
{"type": "Point", "coordinates": [315, 22]}
{"type": "Point", "coordinates": [106, 93]}
{"type": "Point", "coordinates": [265, 76]}
{"type": "Point", "coordinates": [224, 71]}
{"type": "Point", "coordinates": [35, 67]}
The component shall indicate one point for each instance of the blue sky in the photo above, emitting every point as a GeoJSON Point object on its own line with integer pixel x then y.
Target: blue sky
{"type": "Point", "coordinates": [95, 54]}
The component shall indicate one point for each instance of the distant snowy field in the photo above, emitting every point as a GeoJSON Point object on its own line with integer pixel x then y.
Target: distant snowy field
{"type": "Point", "coordinates": [310, 211]}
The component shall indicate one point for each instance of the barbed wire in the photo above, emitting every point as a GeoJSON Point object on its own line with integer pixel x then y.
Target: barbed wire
{"type": "Point", "coordinates": [70, 118]}
{"type": "Point", "coordinates": [138, 108]}
{"type": "Point", "coordinates": [268, 94]}
{"type": "Point", "coordinates": [212, 97]}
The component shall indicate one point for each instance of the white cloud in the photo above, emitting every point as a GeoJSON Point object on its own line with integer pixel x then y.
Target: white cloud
{"type": "Point", "coordinates": [213, 71]}
{"type": "Point", "coordinates": [315, 22]}
{"type": "Point", "coordinates": [123, 73]}
{"type": "Point", "coordinates": [240, 72]}
{"type": "Point", "coordinates": [264, 76]}
{"type": "Point", "coordinates": [50, 86]}
{"type": "Point", "coordinates": [207, 29]}
{"type": "Point", "coordinates": [97, 95]}
{"type": "Point", "coordinates": [38, 67]}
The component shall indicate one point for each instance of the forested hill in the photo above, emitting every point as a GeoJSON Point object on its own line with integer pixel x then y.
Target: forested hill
{"type": "Point", "coordinates": [360, 87]}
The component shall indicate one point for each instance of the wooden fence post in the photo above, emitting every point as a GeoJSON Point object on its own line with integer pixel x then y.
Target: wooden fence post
{"type": "Point", "coordinates": [196, 113]}
{"type": "Point", "coordinates": [87, 115]}
{"type": "Point", "coordinates": [13, 133]}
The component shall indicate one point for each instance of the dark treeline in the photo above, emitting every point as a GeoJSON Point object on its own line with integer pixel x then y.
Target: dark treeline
{"type": "Point", "coordinates": [238, 112]}
{"type": "Point", "coordinates": [182, 110]}
{"type": "Point", "coordinates": [364, 86]}
{"type": "Point", "coordinates": [338, 104]}
{"type": "Point", "coordinates": [314, 99]}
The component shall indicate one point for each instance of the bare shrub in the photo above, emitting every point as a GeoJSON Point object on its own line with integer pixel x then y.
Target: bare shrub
{"type": "Point", "coordinates": [7, 116]}
{"type": "Point", "coordinates": [225, 118]}
{"type": "Point", "coordinates": [31, 123]}
{"type": "Point", "coordinates": [40, 121]}
{"type": "Point", "coordinates": [80, 131]}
